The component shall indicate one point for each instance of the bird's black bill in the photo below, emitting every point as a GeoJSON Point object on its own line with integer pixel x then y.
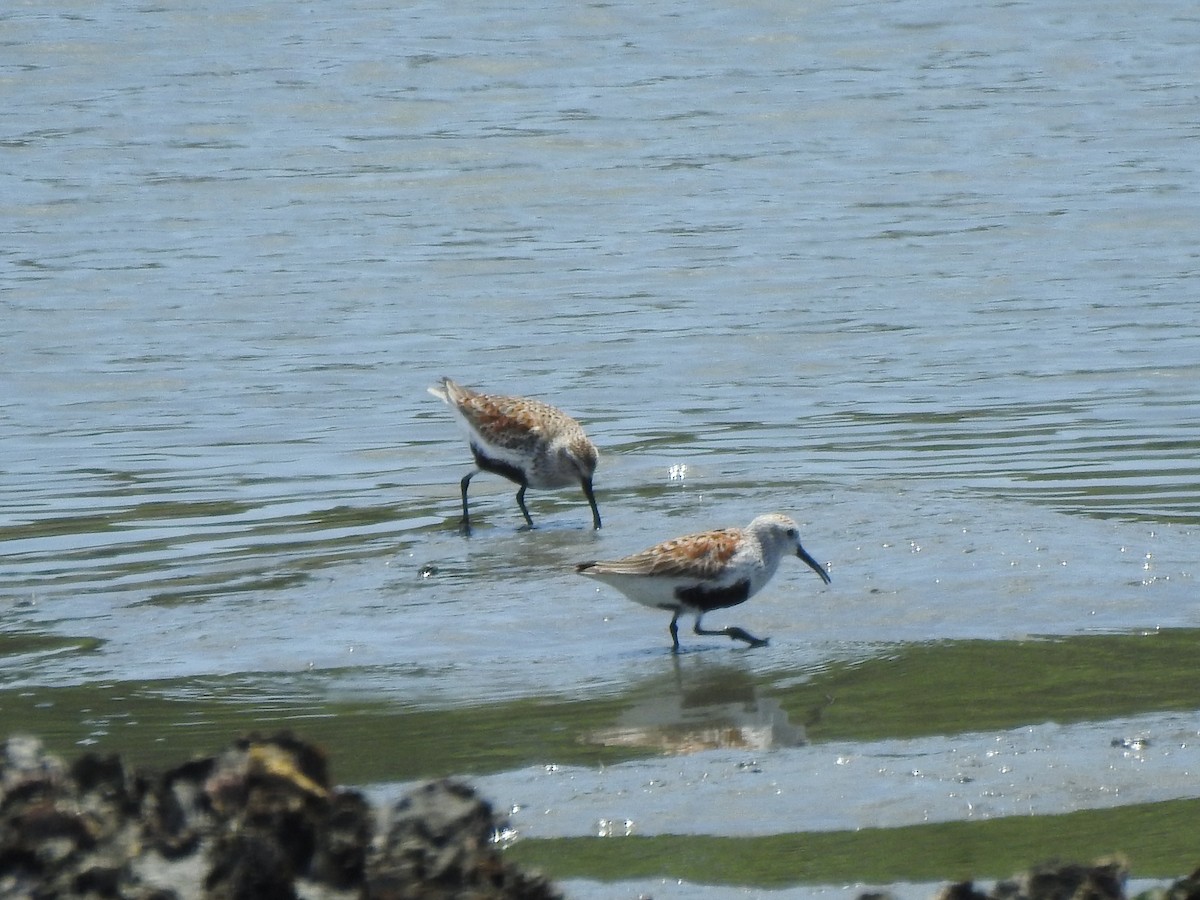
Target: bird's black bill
{"type": "Point", "coordinates": [465, 525]}
{"type": "Point", "coordinates": [591, 499]}
{"type": "Point", "coordinates": [813, 564]}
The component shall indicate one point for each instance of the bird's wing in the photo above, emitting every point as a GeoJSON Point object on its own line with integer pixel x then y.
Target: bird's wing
{"type": "Point", "coordinates": [506, 420]}
{"type": "Point", "coordinates": [703, 555]}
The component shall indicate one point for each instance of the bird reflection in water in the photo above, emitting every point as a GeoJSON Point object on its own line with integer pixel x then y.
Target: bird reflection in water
{"type": "Point", "coordinates": [720, 708]}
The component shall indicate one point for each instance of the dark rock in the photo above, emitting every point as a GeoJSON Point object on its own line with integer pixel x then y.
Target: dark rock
{"type": "Point", "coordinates": [259, 821]}
{"type": "Point", "coordinates": [341, 853]}
{"type": "Point", "coordinates": [962, 890]}
{"type": "Point", "coordinates": [1103, 880]}
{"type": "Point", "coordinates": [250, 865]}
{"type": "Point", "coordinates": [1187, 888]}
{"type": "Point", "coordinates": [440, 838]}
{"type": "Point", "coordinates": [177, 812]}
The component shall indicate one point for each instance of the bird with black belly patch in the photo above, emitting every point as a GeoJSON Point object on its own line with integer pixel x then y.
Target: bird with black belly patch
{"type": "Point", "coordinates": [531, 443]}
{"type": "Point", "coordinates": [698, 573]}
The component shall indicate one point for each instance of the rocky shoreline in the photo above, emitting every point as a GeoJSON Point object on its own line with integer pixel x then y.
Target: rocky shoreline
{"type": "Point", "coordinates": [258, 821]}
{"type": "Point", "coordinates": [262, 821]}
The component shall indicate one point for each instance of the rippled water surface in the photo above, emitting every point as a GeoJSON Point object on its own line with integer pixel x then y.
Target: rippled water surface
{"type": "Point", "coordinates": [922, 277]}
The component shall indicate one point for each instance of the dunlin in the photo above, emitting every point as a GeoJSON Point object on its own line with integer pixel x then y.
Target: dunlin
{"type": "Point", "coordinates": [527, 441]}
{"type": "Point", "coordinates": [698, 573]}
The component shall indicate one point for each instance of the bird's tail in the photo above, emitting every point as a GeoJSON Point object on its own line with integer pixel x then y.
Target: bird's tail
{"type": "Point", "coordinates": [447, 391]}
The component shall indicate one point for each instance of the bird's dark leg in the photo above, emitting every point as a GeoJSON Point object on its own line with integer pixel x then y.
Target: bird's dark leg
{"type": "Point", "coordinates": [521, 503]}
{"type": "Point", "coordinates": [466, 519]}
{"type": "Point", "coordinates": [591, 499]}
{"type": "Point", "coordinates": [738, 634]}
{"type": "Point", "coordinates": [674, 629]}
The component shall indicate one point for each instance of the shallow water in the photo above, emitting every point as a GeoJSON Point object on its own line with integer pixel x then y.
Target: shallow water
{"type": "Point", "coordinates": [921, 278]}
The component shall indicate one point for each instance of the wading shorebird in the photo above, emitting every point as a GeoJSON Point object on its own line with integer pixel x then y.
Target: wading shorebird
{"type": "Point", "coordinates": [528, 442]}
{"type": "Point", "coordinates": [698, 573]}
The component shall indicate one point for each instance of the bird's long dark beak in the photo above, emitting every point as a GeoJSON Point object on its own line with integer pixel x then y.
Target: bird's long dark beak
{"type": "Point", "coordinates": [813, 564]}
{"type": "Point", "coordinates": [591, 499]}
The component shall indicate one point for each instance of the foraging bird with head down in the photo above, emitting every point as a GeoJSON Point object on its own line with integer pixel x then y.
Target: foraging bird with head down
{"type": "Point", "coordinates": [529, 442]}
{"type": "Point", "coordinates": [698, 573]}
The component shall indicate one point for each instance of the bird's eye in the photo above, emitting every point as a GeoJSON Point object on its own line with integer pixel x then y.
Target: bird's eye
{"type": "Point", "coordinates": [791, 532]}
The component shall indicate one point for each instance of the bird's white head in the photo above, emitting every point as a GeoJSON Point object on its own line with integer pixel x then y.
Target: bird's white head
{"type": "Point", "coordinates": [779, 534]}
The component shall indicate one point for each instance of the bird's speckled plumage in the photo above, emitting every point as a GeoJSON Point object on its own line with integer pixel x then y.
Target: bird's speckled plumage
{"type": "Point", "coordinates": [705, 571]}
{"type": "Point", "coordinates": [527, 441]}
